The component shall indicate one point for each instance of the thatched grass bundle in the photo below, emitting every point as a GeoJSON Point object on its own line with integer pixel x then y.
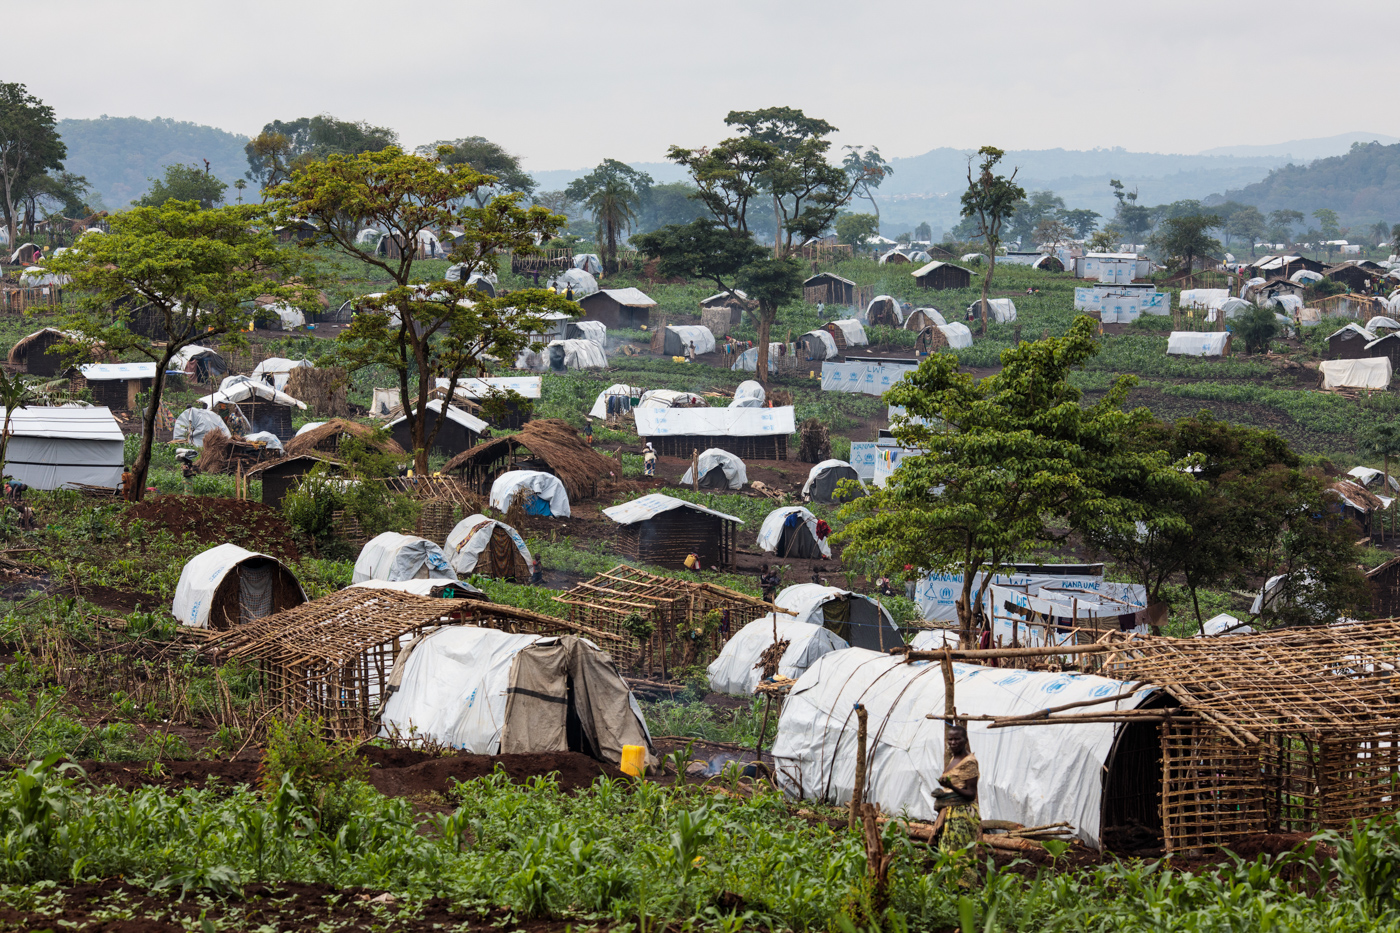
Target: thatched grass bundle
{"type": "Point", "coordinates": [816, 442]}
{"type": "Point", "coordinates": [214, 456]}
{"type": "Point", "coordinates": [323, 390]}
{"type": "Point", "coordinates": [551, 440]}
{"type": "Point", "coordinates": [327, 437]}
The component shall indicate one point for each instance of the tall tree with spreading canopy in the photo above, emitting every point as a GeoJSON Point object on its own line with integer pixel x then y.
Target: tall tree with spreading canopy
{"type": "Point", "coordinates": [488, 158]}
{"type": "Point", "coordinates": [29, 147]}
{"type": "Point", "coordinates": [867, 169]}
{"type": "Point", "coordinates": [612, 193]}
{"type": "Point", "coordinates": [1000, 462]}
{"type": "Point", "coordinates": [1082, 220]}
{"type": "Point", "coordinates": [198, 270]}
{"type": "Point", "coordinates": [185, 183]}
{"type": "Point", "coordinates": [1186, 238]}
{"type": "Point", "coordinates": [283, 146]}
{"type": "Point", "coordinates": [988, 203]}
{"type": "Point", "coordinates": [439, 329]}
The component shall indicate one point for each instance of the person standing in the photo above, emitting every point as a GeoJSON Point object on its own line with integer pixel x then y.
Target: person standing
{"type": "Point", "coordinates": [569, 292]}
{"type": "Point", "coordinates": [959, 822]}
{"type": "Point", "coordinates": [768, 582]}
{"type": "Point", "coordinates": [536, 572]}
{"type": "Point", "coordinates": [649, 459]}
{"type": "Point", "coordinates": [588, 431]}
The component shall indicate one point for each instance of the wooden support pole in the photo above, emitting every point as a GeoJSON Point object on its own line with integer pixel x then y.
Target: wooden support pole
{"type": "Point", "coordinates": [858, 790]}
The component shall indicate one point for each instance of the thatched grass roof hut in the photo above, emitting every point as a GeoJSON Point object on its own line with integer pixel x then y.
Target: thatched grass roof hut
{"type": "Point", "coordinates": [326, 439]}
{"type": "Point", "coordinates": [553, 446]}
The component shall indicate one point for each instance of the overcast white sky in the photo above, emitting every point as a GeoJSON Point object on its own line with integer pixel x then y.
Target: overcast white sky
{"type": "Point", "coordinates": [566, 84]}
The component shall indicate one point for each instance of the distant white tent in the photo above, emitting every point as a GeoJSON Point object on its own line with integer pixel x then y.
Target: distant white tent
{"type": "Point", "coordinates": [1372, 478]}
{"type": "Point", "coordinates": [1226, 624]}
{"type": "Point", "coordinates": [488, 692]}
{"type": "Point", "coordinates": [276, 370]}
{"type": "Point", "coordinates": [791, 531]}
{"type": "Point", "coordinates": [193, 424]}
{"type": "Point", "coordinates": [671, 398]}
{"type": "Point", "coordinates": [1202, 299]}
{"type": "Point", "coordinates": [1305, 277]}
{"type": "Point", "coordinates": [859, 620]}
{"type": "Point", "coordinates": [999, 310]}
{"type": "Point", "coordinates": [679, 337]}
{"type": "Point", "coordinates": [1356, 374]}
{"type": "Point", "coordinates": [575, 354]}
{"type": "Point", "coordinates": [545, 494]}
{"type": "Point", "coordinates": [958, 335]}
{"type": "Point", "coordinates": [477, 535]}
{"type": "Point", "coordinates": [748, 394]}
{"type": "Point", "coordinates": [580, 281]}
{"type": "Point", "coordinates": [737, 669]}
{"type": "Point", "coordinates": [623, 395]}
{"type": "Point", "coordinates": [824, 482]}
{"type": "Point", "coordinates": [590, 263]}
{"type": "Point", "coordinates": [391, 556]}
{"type": "Point", "coordinates": [227, 586]}
{"type": "Point", "coordinates": [973, 257]}
{"type": "Point", "coordinates": [816, 345]}
{"type": "Point", "coordinates": [884, 309]}
{"type": "Point", "coordinates": [748, 361]}
{"type": "Point", "coordinates": [595, 331]}
{"type": "Point", "coordinates": [852, 331]}
{"type": "Point", "coordinates": [1198, 343]}
{"type": "Point", "coordinates": [719, 469]}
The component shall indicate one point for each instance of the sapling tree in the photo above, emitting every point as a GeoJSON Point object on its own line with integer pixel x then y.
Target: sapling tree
{"type": "Point", "coordinates": [989, 202]}
{"type": "Point", "coordinates": [198, 272]}
{"type": "Point", "coordinates": [15, 393]}
{"type": "Point", "coordinates": [423, 331]}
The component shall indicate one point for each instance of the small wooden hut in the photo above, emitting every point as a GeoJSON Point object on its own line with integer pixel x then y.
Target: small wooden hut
{"type": "Point", "coordinates": [663, 530]}
{"type": "Point", "coordinates": [1387, 346]}
{"type": "Point", "coordinates": [829, 288]}
{"type": "Point", "coordinates": [941, 275]}
{"type": "Point", "coordinates": [550, 445]}
{"type": "Point", "coordinates": [918, 319]}
{"type": "Point", "coordinates": [37, 354]}
{"type": "Point", "coordinates": [618, 307]}
{"type": "Point", "coordinates": [117, 385]}
{"type": "Point", "coordinates": [675, 608]}
{"type": "Point", "coordinates": [1349, 343]}
{"type": "Point", "coordinates": [1355, 278]}
{"type": "Point", "coordinates": [281, 476]}
{"type": "Point", "coordinates": [1384, 584]}
{"type": "Point", "coordinates": [332, 657]}
{"type": "Point", "coordinates": [460, 430]}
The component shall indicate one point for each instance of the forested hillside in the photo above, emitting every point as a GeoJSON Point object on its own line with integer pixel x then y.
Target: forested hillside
{"type": "Point", "coordinates": [1362, 186]}
{"type": "Point", "coordinates": [118, 154]}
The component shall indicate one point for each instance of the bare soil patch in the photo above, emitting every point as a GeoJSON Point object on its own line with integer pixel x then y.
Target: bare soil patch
{"type": "Point", "coordinates": [215, 520]}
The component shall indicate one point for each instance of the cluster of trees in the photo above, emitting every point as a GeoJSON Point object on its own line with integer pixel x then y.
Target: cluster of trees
{"type": "Point", "coordinates": [32, 179]}
{"type": "Point", "coordinates": [1359, 186]}
{"type": "Point", "coordinates": [1015, 462]}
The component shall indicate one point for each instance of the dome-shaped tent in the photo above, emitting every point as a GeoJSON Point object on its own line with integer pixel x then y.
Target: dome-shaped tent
{"type": "Point", "coordinates": [228, 585]}
{"type": "Point", "coordinates": [575, 354]}
{"type": "Point", "coordinates": [671, 398]}
{"type": "Point", "coordinates": [815, 345]}
{"type": "Point", "coordinates": [391, 556]}
{"type": "Point", "coordinates": [621, 395]}
{"type": "Point", "coordinates": [590, 263]}
{"type": "Point", "coordinates": [489, 692]}
{"type": "Point", "coordinates": [738, 670]}
{"type": "Point", "coordinates": [719, 469]}
{"type": "Point", "coordinates": [792, 532]}
{"type": "Point", "coordinates": [1305, 277]}
{"type": "Point", "coordinates": [543, 493]}
{"type": "Point", "coordinates": [747, 362]}
{"type": "Point", "coordinates": [859, 620]}
{"type": "Point", "coordinates": [488, 547]}
{"type": "Point", "coordinates": [749, 394]}
{"type": "Point", "coordinates": [194, 424]}
{"type": "Point", "coordinates": [484, 283]}
{"type": "Point", "coordinates": [824, 481]}
{"type": "Point", "coordinates": [999, 310]}
{"type": "Point", "coordinates": [581, 282]}
{"type": "Point", "coordinates": [884, 311]}
{"type": "Point", "coordinates": [920, 318]}
{"type": "Point", "coordinates": [954, 336]}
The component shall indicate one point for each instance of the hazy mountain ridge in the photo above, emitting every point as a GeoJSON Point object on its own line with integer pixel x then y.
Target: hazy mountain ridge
{"type": "Point", "coordinates": [1362, 186]}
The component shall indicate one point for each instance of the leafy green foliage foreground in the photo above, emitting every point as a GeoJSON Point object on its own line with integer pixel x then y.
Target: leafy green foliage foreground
{"type": "Point", "coordinates": [639, 855]}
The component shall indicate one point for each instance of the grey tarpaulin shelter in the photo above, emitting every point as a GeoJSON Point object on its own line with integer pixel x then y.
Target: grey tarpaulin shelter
{"type": "Point", "coordinates": [485, 546]}
{"type": "Point", "coordinates": [228, 585]}
{"type": "Point", "coordinates": [679, 337]}
{"type": "Point", "coordinates": [719, 469]}
{"type": "Point", "coordinates": [791, 531]}
{"type": "Point", "coordinates": [51, 448]}
{"type": "Point", "coordinates": [489, 692]}
{"type": "Point", "coordinates": [824, 482]}
{"type": "Point", "coordinates": [392, 556]}
{"type": "Point", "coordinates": [193, 424]}
{"type": "Point", "coordinates": [859, 620]}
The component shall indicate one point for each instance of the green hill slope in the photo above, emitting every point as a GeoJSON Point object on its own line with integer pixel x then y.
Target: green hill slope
{"type": "Point", "coordinates": [1362, 186]}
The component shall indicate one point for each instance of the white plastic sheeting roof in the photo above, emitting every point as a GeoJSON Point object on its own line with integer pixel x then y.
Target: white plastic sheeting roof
{"type": "Point", "coordinates": [617, 390]}
{"type": "Point", "coordinates": [52, 447]}
{"type": "Point", "coordinates": [1031, 775]}
{"type": "Point", "coordinates": [391, 556]}
{"type": "Point", "coordinates": [734, 671]}
{"type": "Point", "coordinates": [701, 336]}
{"type": "Point", "coordinates": [583, 284]}
{"type": "Point", "coordinates": [201, 576]}
{"type": "Point", "coordinates": [881, 299]}
{"type": "Point", "coordinates": [1202, 299]}
{"type": "Point", "coordinates": [470, 537]}
{"type": "Point", "coordinates": [1355, 374]}
{"type": "Point", "coordinates": [671, 398]}
{"type": "Point", "coordinates": [924, 270]}
{"type": "Point", "coordinates": [112, 372]}
{"type": "Point", "coordinates": [192, 424]}
{"type": "Point", "coordinates": [817, 471]}
{"type": "Point", "coordinates": [933, 314]}
{"type": "Point", "coordinates": [1223, 624]}
{"type": "Point", "coordinates": [578, 354]}
{"type": "Point", "coordinates": [266, 438]}
{"type": "Point", "coordinates": [242, 388]}
{"type": "Point", "coordinates": [465, 418]}
{"type": "Point", "coordinates": [1197, 343]}
{"type": "Point", "coordinates": [999, 310]}
{"type": "Point", "coordinates": [589, 262]}
{"type": "Point", "coordinates": [524, 386]}
{"type": "Point", "coordinates": [867, 377]}
{"type": "Point", "coordinates": [280, 369]}
{"type": "Point", "coordinates": [931, 639]}
{"type": "Point", "coordinates": [1368, 477]}
{"type": "Point", "coordinates": [630, 297]}
{"type": "Point", "coordinates": [827, 341]}
{"type": "Point", "coordinates": [545, 485]}
{"type": "Point", "coordinates": [805, 602]}
{"type": "Point", "coordinates": [771, 531]}
{"type": "Point", "coordinates": [958, 334]}
{"type": "Point", "coordinates": [748, 361]}
{"type": "Point", "coordinates": [732, 466]}
{"type": "Point", "coordinates": [595, 331]}
{"type": "Point", "coordinates": [186, 355]}
{"type": "Point", "coordinates": [726, 422]}
{"type": "Point", "coordinates": [852, 331]}
{"type": "Point", "coordinates": [654, 504]}
{"type": "Point", "coordinates": [1305, 277]}
{"type": "Point", "coordinates": [288, 316]}
{"type": "Point", "coordinates": [748, 394]}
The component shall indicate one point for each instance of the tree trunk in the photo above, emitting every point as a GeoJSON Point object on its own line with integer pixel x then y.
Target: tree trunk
{"type": "Point", "coordinates": [987, 283]}
{"type": "Point", "coordinates": [777, 230]}
{"type": "Point", "coordinates": [10, 211]}
{"type": "Point", "coordinates": [419, 424]}
{"type": "Point", "coordinates": [1196, 603]}
{"type": "Point", "coordinates": [766, 316]}
{"type": "Point", "coordinates": [148, 428]}
{"type": "Point", "coordinates": [610, 267]}
{"type": "Point", "coordinates": [5, 443]}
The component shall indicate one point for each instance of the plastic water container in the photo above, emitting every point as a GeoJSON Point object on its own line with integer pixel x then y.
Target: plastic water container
{"type": "Point", "coordinates": [634, 759]}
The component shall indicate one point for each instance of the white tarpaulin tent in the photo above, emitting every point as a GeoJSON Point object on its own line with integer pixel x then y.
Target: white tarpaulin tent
{"type": "Point", "coordinates": [999, 310]}
{"type": "Point", "coordinates": [958, 335]}
{"type": "Point", "coordinates": [748, 361]}
{"type": "Point", "coordinates": [671, 398]}
{"type": "Point", "coordinates": [737, 670]}
{"type": "Point", "coordinates": [549, 495]}
{"type": "Point", "coordinates": [1221, 625]}
{"type": "Point", "coordinates": [1379, 322]}
{"type": "Point", "coordinates": [266, 438]}
{"type": "Point", "coordinates": [581, 282]}
{"type": "Point", "coordinates": [277, 370]}
{"type": "Point", "coordinates": [1202, 299]}
{"type": "Point", "coordinates": [488, 692]}
{"type": "Point", "coordinates": [255, 577]}
{"type": "Point", "coordinates": [595, 331]}
{"type": "Point", "coordinates": [679, 337]}
{"type": "Point", "coordinates": [190, 360]}
{"type": "Point", "coordinates": [589, 262]}
{"type": "Point", "coordinates": [1198, 343]}
{"type": "Point", "coordinates": [719, 469]}
{"type": "Point", "coordinates": [237, 389]}
{"type": "Point", "coordinates": [623, 393]}
{"type": "Point", "coordinates": [725, 422]}
{"type": "Point", "coordinates": [1355, 374]}
{"type": "Point", "coordinates": [1305, 277]}
{"type": "Point", "coordinates": [53, 447]}
{"type": "Point", "coordinates": [193, 424]}
{"type": "Point", "coordinates": [859, 620]}
{"type": "Point", "coordinates": [1033, 775]}
{"type": "Point", "coordinates": [749, 394]}
{"type": "Point", "coordinates": [817, 342]}
{"type": "Point", "coordinates": [881, 303]}
{"type": "Point", "coordinates": [117, 372]}
{"type": "Point", "coordinates": [824, 480]}
{"type": "Point", "coordinates": [392, 556]}
{"type": "Point", "coordinates": [456, 415]}
{"type": "Point", "coordinates": [471, 536]}
{"type": "Point", "coordinates": [288, 317]}
{"type": "Point", "coordinates": [1371, 478]}
{"type": "Point", "coordinates": [867, 377]}
{"type": "Point", "coordinates": [796, 539]}
{"type": "Point", "coordinates": [850, 329]}
{"type": "Point", "coordinates": [574, 354]}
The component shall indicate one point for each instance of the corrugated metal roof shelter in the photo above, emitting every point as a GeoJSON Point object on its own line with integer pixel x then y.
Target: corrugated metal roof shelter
{"type": "Point", "coordinates": [749, 433]}
{"type": "Point", "coordinates": [53, 448]}
{"type": "Point", "coordinates": [663, 530]}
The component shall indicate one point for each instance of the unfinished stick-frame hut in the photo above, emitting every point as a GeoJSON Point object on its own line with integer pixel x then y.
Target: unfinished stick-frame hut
{"type": "Point", "coordinates": [326, 439]}
{"type": "Point", "coordinates": [550, 445]}
{"type": "Point", "coordinates": [663, 530]}
{"type": "Point", "coordinates": [675, 609]}
{"type": "Point", "coordinates": [333, 657]}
